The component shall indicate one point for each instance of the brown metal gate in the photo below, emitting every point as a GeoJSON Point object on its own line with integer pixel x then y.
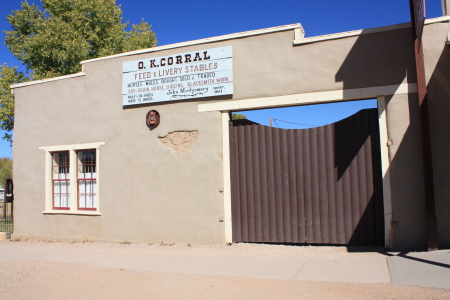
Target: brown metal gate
{"type": "Point", "coordinates": [318, 186]}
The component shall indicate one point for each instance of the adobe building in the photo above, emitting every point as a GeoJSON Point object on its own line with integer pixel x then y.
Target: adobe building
{"type": "Point", "coordinates": [139, 146]}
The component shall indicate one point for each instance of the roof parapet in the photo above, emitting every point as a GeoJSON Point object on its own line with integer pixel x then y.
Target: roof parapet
{"type": "Point", "coordinates": [346, 34]}
{"type": "Point", "coordinates": [298, 27]}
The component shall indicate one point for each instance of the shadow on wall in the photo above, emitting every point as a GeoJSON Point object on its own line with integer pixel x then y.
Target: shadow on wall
{"type": "Point", "coordinates": [358, 167]}
{"type": "Point", "coordinates": [381, 59]}
{"type": "Point", "coordinates": [406, 168]}
{"type": "Point", "coordinates": [378, 59]}
{"type": "Point", "coordinates": [406, 173]}
{"type": "Point", "coordinates": [368, 230]}
{"type": "Point", "coordinates": [439, 109]}
{"type": "Point", "coordinates": [350, 135]}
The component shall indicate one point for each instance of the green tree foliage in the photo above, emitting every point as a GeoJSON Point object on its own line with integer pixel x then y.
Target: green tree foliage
{"type": "Point", "coordinates": [5, 169]}
{"type": "Point", "coordinates": [53, 41]}
{"type": "Point", "coordinates": [236, 116]}
{"type": "Point", "coordinates": [8, 76]}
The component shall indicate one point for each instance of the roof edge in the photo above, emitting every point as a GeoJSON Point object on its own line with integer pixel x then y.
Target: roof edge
{"type": "Point", "coordinates": [298, 41]}
{"type": "Point", "coordinates": [341, 35]}
{"type": "Point", "coordinates": [202, 41]}
{"type": "Point", "coordinates": [171, 46]}
{"type": "Point", "coordinates": [22, 84]}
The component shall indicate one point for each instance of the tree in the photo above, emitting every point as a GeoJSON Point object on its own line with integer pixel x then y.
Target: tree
{"type": "Point", "coordinates": [52, 42]}
{"type": "Point", "coordinates": [5, 169]}
{"type": "Point", "coordinates": [8, 76]}
{"type": "Point", "coordinates": [237, 116]}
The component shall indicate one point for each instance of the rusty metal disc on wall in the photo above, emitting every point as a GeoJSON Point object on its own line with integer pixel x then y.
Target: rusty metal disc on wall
{"type": "Point", "coordinates": [152, 119]}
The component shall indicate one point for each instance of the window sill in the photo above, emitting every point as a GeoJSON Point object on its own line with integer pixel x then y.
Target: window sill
{"type": "Point", "coordinates": [67, 212]}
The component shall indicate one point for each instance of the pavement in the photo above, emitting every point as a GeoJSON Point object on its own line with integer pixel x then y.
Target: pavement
{"type": "Point", "coordinates": [306, 263]}
{"type": "Point", "coordinates": [427, 269]}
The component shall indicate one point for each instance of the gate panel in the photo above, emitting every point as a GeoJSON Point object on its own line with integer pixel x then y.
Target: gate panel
{"type": "Point", "coordinates": [319, 185]}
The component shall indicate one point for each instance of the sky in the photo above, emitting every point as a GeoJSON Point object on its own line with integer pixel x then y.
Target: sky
{"type": "Point", "coordinates": [179, 21]}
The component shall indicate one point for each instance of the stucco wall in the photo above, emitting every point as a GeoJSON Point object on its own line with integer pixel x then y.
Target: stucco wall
{"type": "Point", "coordinates": [437, 70]}
{"type": "Point", "coordinates": [406, 173]}
{"type": "Point", "coordinates": [149, 193]}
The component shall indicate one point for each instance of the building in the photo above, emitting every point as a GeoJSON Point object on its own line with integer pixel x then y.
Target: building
{"type": "Point", "coordinates": [87, 165]}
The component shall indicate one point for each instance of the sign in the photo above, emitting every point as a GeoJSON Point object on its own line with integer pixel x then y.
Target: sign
{"type": "Point", "coordinates": [204, 73]}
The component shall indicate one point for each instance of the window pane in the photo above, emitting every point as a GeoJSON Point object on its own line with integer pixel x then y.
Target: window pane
{"type": "Point", "coordinates": [87, 180]}
{"type": "Point", "coordinates": [61, 180]}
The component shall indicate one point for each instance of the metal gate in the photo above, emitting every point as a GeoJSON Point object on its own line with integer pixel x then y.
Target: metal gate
{"type": "Point", "coordinates": [318, 186]}
{"type": "Point", "coordinates": [6, 209]}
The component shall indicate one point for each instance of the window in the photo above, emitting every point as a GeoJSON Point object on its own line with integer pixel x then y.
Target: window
{"type": "Point", "coordinates": [72, 179]}
{"type": "Point", "coordinates": [61, 180]}
{"type": "Point", "coordinates": [87, 180]}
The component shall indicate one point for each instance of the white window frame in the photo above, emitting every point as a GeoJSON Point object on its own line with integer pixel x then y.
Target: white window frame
{"type": "Point", "coordinates": [73, 159]}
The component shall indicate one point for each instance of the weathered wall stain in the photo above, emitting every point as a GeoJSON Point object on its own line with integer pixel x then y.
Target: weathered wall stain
{"type": "Point", "coordinates": [179, 141]}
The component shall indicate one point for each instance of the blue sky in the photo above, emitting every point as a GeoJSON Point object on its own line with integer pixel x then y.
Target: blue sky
{"type": "Point", "coordinates": [178, 21]}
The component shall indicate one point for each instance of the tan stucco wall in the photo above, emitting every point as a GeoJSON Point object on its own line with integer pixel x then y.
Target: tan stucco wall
{"type": "Point", "coordinates": [406, 172]}
{"type": "Point", "coordinates": [437, 70]}
{"type": "Point", "coordinates": [149, 193]}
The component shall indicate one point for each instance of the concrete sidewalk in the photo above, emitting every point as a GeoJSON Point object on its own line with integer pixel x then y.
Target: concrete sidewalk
{"type": "Point", "coordinates": [428, 269]}
{"type": "Point", "coordinates": [307, 263]}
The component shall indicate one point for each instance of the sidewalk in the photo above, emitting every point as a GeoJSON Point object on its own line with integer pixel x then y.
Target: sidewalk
{"type": "Point", "coordinates": [305, 263]}
{"type": "Point", "coordinates": [428, 269]}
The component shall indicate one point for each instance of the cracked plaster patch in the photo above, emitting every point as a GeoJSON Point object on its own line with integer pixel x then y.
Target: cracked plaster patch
{"type": "Point", "coordinates": [179, 141]}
